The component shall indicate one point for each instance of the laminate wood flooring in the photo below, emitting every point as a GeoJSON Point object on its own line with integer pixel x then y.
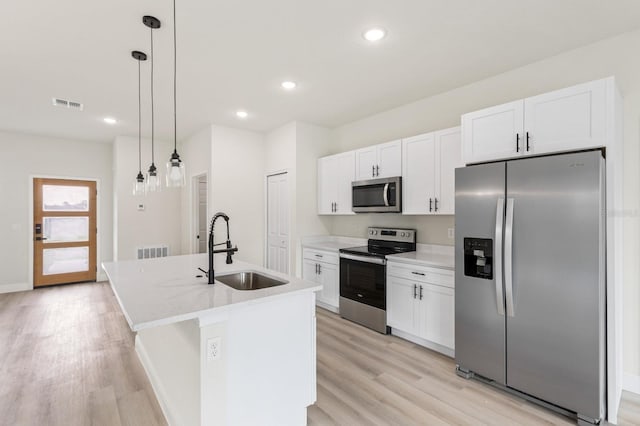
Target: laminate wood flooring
{"type": "Point", "coordinates": [67, 357]}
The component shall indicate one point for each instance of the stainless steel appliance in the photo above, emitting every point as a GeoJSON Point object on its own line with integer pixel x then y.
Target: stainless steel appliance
{"type": "Point", "coordinates": [377, 195]}
{"type": "Point", "coordinates": [530, 279]}
{"type": "Point", "coordinates": [363, 276]}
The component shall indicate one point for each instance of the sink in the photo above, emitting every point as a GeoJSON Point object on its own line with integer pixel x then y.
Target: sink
{"type": "Point", "coordinates": [249, 280]}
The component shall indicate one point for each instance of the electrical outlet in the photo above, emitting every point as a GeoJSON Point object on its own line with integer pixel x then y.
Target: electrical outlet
{"type": "Point", "coordinates": [451, 233]}
{"type": "Point", "coordinates": [214, 348]}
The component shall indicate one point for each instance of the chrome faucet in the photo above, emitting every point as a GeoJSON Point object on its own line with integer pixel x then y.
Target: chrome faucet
{"type": "Point", "coordinates": [229, 250]}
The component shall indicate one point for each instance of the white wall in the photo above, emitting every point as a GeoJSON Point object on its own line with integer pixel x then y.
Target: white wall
{"type": "Point", "coordinates": [24, 156]}
{"type": "Point", "coordinates": [616, 56]}
{"type": "Point", "coordinates": [159, 222]}
{"type": "Point", "coordinates": [237, 188]}
{"type": "Point", "coordinates": [195, 152]}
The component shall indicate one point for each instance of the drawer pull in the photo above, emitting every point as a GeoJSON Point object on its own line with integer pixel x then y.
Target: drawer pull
{"type": "Point", "coordinates": [318, 255]}
{"type": "Point", "coordinates": [418, 273]}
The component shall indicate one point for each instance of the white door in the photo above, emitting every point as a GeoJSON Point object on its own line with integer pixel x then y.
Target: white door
{"type": "Point", "coordinates": [400, 304]}
{"type": "Point", "coordinates": [366, 161]}
{"type": "Point", "coordinates": [566, 120]}
{"type": "Point", "coordinates": [448, 156]}
{"type": "Point", "coordinates": [493, 133]}
{"type": "Point", "coordinates": [200, 204]}
{"type": "Point", "coordinates": [278, 223]}
{"type": "Point", "coordinates": [418, 175]}
{"type": "Point", "coordinates": [345, 175]}
{"type": "Point", "coordinates": [389, 159]}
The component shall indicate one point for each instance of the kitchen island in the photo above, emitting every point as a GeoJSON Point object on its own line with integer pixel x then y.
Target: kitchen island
{"type": "Point", "coordinates": [217, 355]}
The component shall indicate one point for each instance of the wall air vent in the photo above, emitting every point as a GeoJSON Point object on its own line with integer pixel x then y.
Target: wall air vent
{"type": "Point", "coordinates": [67, 104]}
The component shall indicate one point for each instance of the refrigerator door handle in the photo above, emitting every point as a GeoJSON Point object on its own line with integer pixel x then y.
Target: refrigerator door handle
{"type": "Point", "coordinates": [508, 258]}
{"type": "Point", "coordinates": [498, 255]}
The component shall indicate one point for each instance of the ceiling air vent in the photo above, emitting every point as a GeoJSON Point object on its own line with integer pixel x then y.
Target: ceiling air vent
{"type": "Point", "coordinates": [67, 104]}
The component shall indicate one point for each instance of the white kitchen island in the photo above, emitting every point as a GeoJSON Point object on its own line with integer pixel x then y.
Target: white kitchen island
{"type": "Point", "coordinates": [216, 355]}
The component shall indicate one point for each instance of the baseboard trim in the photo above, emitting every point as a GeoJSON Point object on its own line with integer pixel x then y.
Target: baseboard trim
{"type": "Point", "coordinates": [12, 288]}
{"type": "Point", "coordinates": [422, 342]}
{"type": "Point", "coordinates": [328, 307]}
{"type": "Point", "coordinates": [102, 277]}
{"type": "Point", "coordinates": [161, 395]}
{"type": "Point", "coordinates": [631, 383]}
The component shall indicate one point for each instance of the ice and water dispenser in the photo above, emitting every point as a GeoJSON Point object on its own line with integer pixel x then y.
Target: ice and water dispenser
{"type": "Point", "coordinates": [478, 258]}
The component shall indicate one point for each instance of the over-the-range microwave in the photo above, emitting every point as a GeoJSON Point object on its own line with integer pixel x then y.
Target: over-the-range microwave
{"type": "Point", "coordinates": [377, 195]}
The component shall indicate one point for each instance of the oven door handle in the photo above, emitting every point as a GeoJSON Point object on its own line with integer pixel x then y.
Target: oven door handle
{"type": "Point", "coordinates": [366, 259]}
{"type": "Point", "coordinates": [385, 194]}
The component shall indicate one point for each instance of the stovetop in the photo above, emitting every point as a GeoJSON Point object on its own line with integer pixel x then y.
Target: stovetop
{"type": "Point", "coordinates": [384, 242]}
{"type": "Point", "coordinates": [375, 250]}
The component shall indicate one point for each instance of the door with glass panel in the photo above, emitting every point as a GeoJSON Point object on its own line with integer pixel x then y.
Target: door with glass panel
{"type": "Point", "coordinates": [64, 218]}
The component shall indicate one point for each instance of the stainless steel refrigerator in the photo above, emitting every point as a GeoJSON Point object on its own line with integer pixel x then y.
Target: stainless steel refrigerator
{"type": "Point", "coordinates": [530, 278]}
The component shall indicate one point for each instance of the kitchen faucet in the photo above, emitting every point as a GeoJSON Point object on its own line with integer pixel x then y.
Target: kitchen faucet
{"type": "Point", "coordinates": [229, 250]}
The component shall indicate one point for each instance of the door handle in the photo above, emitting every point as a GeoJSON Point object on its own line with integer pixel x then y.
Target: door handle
{"type": "Point", "coordinates": [385, 194]}
{"type": "Point", "coordinates": [319, 269]}
{"type": "Point", "coordinates": [415, 291]}
{"type": "Point", "coordinates": [316, 269]}
{"type": "Point", "coordinates": [517, 142]}
{"type": "Point", "coordinates": [430, 205]}
{"type": "Point", "coordinates": [336, 207]}
{"type": "Point", "coordinates": [377, 170]}
{"type": "Point", "coordinates": [373, 171]}
{"type": "Point", "coordinates": [420, 292]}
{"type": "Point", "coordinates": [497, 272]}
{"type": "Point", "coordinates": [41, 238]}
{"type": "Point", "coordinates": [527, 141]}
{"type": "Point", "coordinates": [508, 259]}
{"type": "Point", "coordinates": [436, 204]}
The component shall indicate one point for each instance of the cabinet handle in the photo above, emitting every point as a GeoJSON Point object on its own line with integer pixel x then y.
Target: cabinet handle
{"type": "Point", "coordinates": [316, 269]}
{"type": "Point", "coordinates": [373, 171]}
{"type": "Point", "coordinates": [517, 142]}
{"type": "Point", "coordinates": [430, 205]}
{"type": "Point", "coordinates": [318, 255]}
{"type": "Point", "coordinates": [436, 204]}
{"type": "Point", "coordinates": [320, 269]}
{"type": "Point", "coordinates": [377, 170]}
{"type": "Point", "coordinates": [418, 273]}
{"type": "Point", "coordinates": [336, 208]}
{"type": "Point", "coordinates": [527, 141]}
{"type": "Point", "coordinates": [420, 292]}
{"type": "Point", "coordinates": [415, 291]}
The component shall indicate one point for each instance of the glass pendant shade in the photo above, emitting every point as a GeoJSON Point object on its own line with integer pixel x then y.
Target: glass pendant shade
{"type": "Point", "coordinates": [153, 180]}
{"type": "Point", "coordinates": [139, 187]}
{"type": "Point", "coordinates": [175, 171]}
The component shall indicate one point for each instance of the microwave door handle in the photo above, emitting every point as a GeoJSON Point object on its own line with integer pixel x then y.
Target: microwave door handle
{"type": "Point", "coordinates": [385, 194]}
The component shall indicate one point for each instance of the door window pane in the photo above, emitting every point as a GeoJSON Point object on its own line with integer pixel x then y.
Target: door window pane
{"type": "Point", "coordinates": [65, 229]}
{"type": "Point", "coordinates": [65, 198]}
{"type": "Point", "coordinates": [65, 260]}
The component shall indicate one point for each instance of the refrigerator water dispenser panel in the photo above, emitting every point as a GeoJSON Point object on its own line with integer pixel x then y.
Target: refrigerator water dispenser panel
{"type": "Point", "coordinates": [478, 258]}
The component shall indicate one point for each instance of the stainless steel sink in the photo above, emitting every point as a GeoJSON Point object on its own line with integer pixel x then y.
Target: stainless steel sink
{"type": "Point", "coordinates": [249, 280]}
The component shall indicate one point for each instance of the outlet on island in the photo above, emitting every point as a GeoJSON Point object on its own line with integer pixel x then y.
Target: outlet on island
{"type": "Point", "coordinates": [214, 349]}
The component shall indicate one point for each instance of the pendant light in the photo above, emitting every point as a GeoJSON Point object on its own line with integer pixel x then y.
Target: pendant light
{"type": "Point", "coordinates": [153, 181]}
{"type": "Point", "coordinates": [175, 167]}
{"type": "Point", "coordinates": [138, 184]}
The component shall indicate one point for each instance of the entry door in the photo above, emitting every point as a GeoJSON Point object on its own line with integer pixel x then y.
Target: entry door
{"type": "Point", "coordinates": [64, 217]}
{"type": "Point", "coordinates": [278, 222]}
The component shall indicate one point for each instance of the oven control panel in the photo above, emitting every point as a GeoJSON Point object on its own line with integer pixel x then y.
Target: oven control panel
{"type": "Point", "coordinates": [392, 234]}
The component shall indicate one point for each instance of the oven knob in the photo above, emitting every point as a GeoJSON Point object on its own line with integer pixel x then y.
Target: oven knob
{"type": "Point", "coordinates": [402, 234]}
{"type": "Point", "coordinates": [374, 232]}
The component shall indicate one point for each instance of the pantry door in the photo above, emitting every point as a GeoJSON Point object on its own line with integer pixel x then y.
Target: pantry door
{"type": "Point", "coordinates": [64, 234]}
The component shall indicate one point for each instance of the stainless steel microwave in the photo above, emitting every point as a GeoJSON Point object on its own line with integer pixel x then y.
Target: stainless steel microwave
{"type": "Point", "coordinates": [377, 195]}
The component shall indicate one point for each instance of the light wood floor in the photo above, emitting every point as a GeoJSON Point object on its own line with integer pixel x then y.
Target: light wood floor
{"type": "Point", "coordinates": [67, 358]}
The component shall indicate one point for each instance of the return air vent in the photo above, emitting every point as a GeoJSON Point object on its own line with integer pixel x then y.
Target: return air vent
{"type": "Point", "coordinates": [67, 104]}
{"type": "Point", "coordinates": [152, 252]}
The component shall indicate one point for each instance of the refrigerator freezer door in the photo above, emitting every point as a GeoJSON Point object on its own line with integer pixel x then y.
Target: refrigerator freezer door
{"type": "Point", "coordinates": [480, 320]}
{"type": "Point", "coordinates": [555, 339]}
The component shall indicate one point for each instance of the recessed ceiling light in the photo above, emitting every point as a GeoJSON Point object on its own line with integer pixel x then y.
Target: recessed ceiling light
{"type": "Point", "coordinates": [374, 34]}
{"type": "Point", "coordinates": [110, 120]}
{"type": "Point", "coordinates": [288, 85]}
{"type": "Point", "coordinates": [242, 114]}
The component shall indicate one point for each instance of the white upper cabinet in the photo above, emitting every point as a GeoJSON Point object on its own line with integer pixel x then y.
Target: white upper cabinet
{"type": "Point", "coordinates": [564, 120]}
{"type": "Point", "coordinates": [428, 172]}
{"type": "Point", "coordinates": [335, 174]}
{"type": "Point", "coordinates": [379, 161]}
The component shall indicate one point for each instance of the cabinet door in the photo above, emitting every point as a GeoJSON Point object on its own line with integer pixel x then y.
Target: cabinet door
{"type": "Point", "coordinates": [448, 154]}
{"type": "Point", "coordinates": [327, 184]}
{"type": "Point", "coordinates": [345, 174]}
{"type": "Point", "coordinates": [401, 304]}
{"type": "Point", "coordinates": [418, 174]}
{"type": "Point", "coordinates": [389, 159]}
{"type": "Point", "coordinates": [493, 133]}
{"type": "Point", "coordinates": [330, 280]}
{"type": "Point", "coordinates": [437, 315]}
{"type": "Point", "coordinates": [566, 120]}
{"type": "Point", "coordinates": [309, 273]}
{"type": "Point", "coordinates": [366, 161]}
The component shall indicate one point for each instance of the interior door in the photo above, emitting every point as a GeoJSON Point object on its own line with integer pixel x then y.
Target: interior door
{"type": "Point", "coordinates": [479, 300]}
{"type": "Point", "coordinates": [554, 332]}
{"type": "Point", "coordinates": [278, 223]}
{"type": "Point", "coordinates": [202, 214]}
{"type": "Point", "coordinates": [64, 217]}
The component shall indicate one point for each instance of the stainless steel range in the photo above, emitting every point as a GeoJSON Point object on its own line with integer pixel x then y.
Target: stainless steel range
{"type": "Point", "coordinates": [363, 276]}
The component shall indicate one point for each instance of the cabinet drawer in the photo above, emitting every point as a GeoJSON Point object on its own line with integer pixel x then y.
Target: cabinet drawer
{"type": "Point", "coordinates": [422, 274]}
{"type": "Point", "coordinates": [321, 256]}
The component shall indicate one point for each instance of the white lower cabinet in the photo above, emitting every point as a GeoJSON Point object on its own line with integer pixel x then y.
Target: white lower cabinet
{"type": "Point", "coordinates": [323, 267]}
{"type": "Point", "coordinates": [421, 305]}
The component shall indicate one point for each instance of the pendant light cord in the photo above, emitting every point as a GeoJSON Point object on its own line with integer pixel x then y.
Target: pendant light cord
{"type": "Point", "coordinates": [139, 121]}
{"type": "Point", "coordinates": [175, 61]}
{"type": "Point", "coordinates": [152, 117]}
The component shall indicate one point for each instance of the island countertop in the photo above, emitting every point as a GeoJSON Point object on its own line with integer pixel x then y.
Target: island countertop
{"type": "Point", "coordinates": [154, 292]}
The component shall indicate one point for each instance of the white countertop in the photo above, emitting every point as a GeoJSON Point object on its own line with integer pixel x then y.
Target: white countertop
{"type": "Point", "coordinates": [332, 243]}
{"type": "Point", "coordinates": [427, 255]}
{"type": "Point", "coordinates": [162, 291]}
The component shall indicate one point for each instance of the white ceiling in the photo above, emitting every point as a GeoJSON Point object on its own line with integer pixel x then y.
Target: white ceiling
{"type": "Point", "coordinates": [233, 54]}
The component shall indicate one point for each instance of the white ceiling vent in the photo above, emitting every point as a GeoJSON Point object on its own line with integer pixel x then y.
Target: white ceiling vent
{"type": "Point", "coordinates": [67, 104]}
